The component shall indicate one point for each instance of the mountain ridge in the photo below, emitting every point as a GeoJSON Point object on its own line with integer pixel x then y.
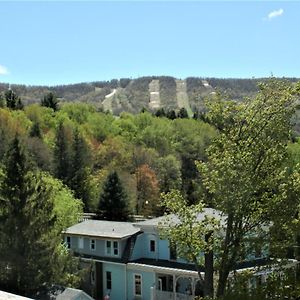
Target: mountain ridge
{"type": "Point", "coordinates": [148, 92]}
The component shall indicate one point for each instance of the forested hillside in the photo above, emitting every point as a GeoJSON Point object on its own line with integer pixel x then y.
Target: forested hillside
{"type": "Point", "coordinates": [132, 95]}
{"type": "Point", "coordinates": [80, 146]}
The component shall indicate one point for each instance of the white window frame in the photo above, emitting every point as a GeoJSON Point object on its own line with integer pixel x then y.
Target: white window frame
{"type": "Point", "coordinates": [91, 243]}
{"type": "Point", "coordinates": [80, 242]}
{"type": "Point", "coordinates": [117, 248]}
{"type": "Point", "coordinates": [134, 285]}
{"type": "Point", "coordinates": [112, 248]}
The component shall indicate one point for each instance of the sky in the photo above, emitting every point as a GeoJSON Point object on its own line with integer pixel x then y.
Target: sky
{"type": "Point", "coordinates": [56, 42]}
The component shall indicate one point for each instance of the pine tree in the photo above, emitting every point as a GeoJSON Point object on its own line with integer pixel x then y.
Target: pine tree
{"type": "Point", "coordinates": [62, 154]}
{"type": "Point", "coordinates": [35, 130]}
{"type": "Point", "coordinates": [50, 100]}
{"type": "Point", "coordinates": [183, 113]}
{"type": "Point", "coordinates": [113, 204]}
{"type": "Point", "coordinates": [79, 169]}
{"type": "Point", "coordinates": [12, 100]}
{"type": "Point", "coordinates": [26, 221]}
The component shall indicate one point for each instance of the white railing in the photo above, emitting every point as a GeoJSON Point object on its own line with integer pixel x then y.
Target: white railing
{"type": "Point", "coordinates": [165, 295]}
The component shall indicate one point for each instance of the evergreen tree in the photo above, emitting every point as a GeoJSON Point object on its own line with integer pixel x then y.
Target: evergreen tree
{"type": "Point", "coordinates": [113, 204]}
{"type": "Point", "coordinates": [2, 101]}
{"type": "Point", "coordinates": [62, 154]}
{"type": "Point", "coordinates": [26, 221]}
{"type": "Point", "coordinates": [182, 113]}
{"type": "Point", "coordinates": [35, 130]}
{"type": "Point", "coordinates": [171, 114]}
{"type": "Point", "coordinates": [160, 113]}
{"type": "Point", "coordinates": [50, 100]}
{"type": "Point", "coordinates": [79, 169]}
{"type": "Point", "coordinates": [12, 100]}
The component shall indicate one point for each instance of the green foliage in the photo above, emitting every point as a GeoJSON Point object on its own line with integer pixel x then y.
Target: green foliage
{"type": "Point", "coordinates": [113, 204]}
{"type": "Point", "coordinates": [62, 152]}
{"type": "Point", "coordinates": [50, 101]}
{"type": "Point", "coordinates": [12, 100]}
{"type": "Point", "coordinates": [245, 174]}
{"type": "Point", "coordinates": [35, 131]}
{"type": "Point", "coordinates": [182, 114]}
{"type": "Point", "coordinates": [29, 239]}
{"type": "Point", "coordinates": [79, 169]}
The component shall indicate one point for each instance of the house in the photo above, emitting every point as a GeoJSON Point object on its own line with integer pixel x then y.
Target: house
{"type": "Point", "coordinates": [130, 261]}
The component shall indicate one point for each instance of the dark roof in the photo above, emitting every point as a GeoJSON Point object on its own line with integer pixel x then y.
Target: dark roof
{"type": "Point", "coordinates": [97, 257]}
{"type": "Point", "coordinates": [166, 264]}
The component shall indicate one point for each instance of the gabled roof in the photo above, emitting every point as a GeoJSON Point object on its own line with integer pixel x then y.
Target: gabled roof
{"type": "Point", "coordinates": [103, 229]}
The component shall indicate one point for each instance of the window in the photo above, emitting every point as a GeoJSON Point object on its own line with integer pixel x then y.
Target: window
{"type": "Point", "coordinates": [152, 246]}
{"type": "Point", "coordinates": [137, 285]}
{"type": "Point", "coordinates": [112, 248]}
{"type": "Point", "coordinates": [108, 247]}
{"type": "Point", "coordinates": [93, 245]}
{"type": "Point", "coordinates": [108, 280]}
{"type": "Point", "coordinates": [68, 242]}
{"type": "Point", "coordinates": [116, 248]}
{"type": "Point", "coordinates": [80, 243]}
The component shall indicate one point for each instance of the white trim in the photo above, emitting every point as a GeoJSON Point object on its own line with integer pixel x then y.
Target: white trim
{"type": "Point", "coordinates": [118, 250]}
{"type": "Point", "coordinates": [164, 270]}
{"type": "Point", "coordinates": [102, 261]}
{"type": "Point", "coordinates": [112, 248]}
{"type": "Point", "coordinates": [134, 285]}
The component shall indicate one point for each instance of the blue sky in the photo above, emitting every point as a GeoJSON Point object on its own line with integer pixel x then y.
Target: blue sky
{"type": "Point", "coordinates": [59, 42]}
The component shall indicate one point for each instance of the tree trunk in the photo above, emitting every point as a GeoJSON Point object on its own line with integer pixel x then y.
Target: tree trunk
{"type": "Point", "coordinates": [209, 275]}
{"type": "Point", "coordinates": [224, 265]}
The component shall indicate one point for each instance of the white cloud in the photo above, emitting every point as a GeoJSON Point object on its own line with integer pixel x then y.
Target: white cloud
{"type": "Point", "coordinates": [275, 13]}
{"type": "Point", "coordinates": [3, 70]}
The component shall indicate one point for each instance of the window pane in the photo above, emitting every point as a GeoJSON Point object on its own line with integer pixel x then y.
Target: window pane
{"type": "Point", "coordinates": [108, 280]}
{"type": "Point", "coordinates": [116, 250]}
{"type": "Point", "coordinates": [108, 247]}
{"type": "Point", "coordinates": [152, 246]}
{"type": "Point", "coordinates": [93, 245]}
{"type": "Point", "coordinates": [138, 285]}
{"type": "Point", "coordinates": [68, 242]}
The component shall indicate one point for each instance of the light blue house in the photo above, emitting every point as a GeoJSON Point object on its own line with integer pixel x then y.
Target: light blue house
{"type": "Point", "coordinates": [129, 261]}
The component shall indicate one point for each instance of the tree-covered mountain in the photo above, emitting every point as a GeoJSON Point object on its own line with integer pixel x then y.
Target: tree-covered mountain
{"type": "Point", "coordinates": [151, 92]}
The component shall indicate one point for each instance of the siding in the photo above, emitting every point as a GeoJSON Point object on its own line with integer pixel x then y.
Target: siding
{"type": "Point", "coordinates": [100, 246]}
{"type": "Point", "coordinates": [148, 280]}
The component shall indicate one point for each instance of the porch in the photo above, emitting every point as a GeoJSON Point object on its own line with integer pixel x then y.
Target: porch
{"type": "Point", "coordinates": [176, 287]}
